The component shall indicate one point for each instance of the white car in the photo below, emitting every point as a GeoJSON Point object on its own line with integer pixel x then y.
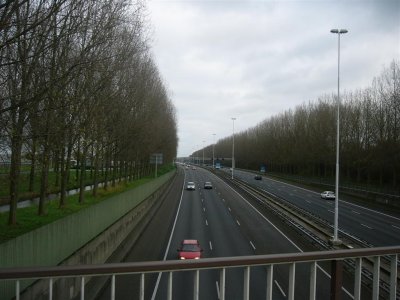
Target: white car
{"type": "Point", "coordinates": [190, 186]}
{"type": "Point", "coordinates": [328, 195]}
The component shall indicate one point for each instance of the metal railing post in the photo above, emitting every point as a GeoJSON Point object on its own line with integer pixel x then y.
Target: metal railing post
{"type": "Point", "coordinates": [196, 285]}
{"type": "Point", "coordinates": [393, 277]}
{"type": "Point", "coordinates": [336, 279]}
{"type": "Point", "coordinates": [50, 288]}
{"type": "Point", "coordinates": [246, 283]}
{"type": "Point", "coordinates": [222, 284]}
{"type": "Point", "coordinates": [357, 279]}
{"type": "Point", "coordinates": [141, 296]}
{"type": "Point", "coordinates": [270, 277]}
{"type": "Point", "coordinates": [292, 280]}
{"type": "Point", "coordinates": [83, 288]}
{"type": "Point", "coordinates": [17, 290]}
{"type": "Point", "coordinates": [113, 287]}
{"type": "Point", "coordinates": [170, 286]}
{"type": "Point", "coordinates": [375, 284]}
{"type": "Point", "coordinates": [313, 280]}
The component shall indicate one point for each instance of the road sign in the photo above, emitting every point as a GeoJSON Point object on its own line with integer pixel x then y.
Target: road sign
{"type": "Point", "coordinates": [156, 158]}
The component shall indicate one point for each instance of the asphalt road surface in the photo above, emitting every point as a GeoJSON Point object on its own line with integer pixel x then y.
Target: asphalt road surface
{"type": "Point", "coordinates": [376, 227]}
{"type": "Point", "coordinates": [225, 225]}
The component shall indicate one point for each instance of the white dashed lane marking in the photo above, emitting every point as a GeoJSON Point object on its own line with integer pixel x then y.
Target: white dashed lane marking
{"type": "Point", "coordinates": [252, 245]}
{"type": "Point", "coordinates": [366, 226]}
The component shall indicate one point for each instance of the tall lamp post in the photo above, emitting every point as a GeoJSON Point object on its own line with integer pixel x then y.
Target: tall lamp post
{"type": "Point", "coordinates": [203, 152]}
{"type": "Point", "coordinates": [233, 145]}
{"type": "Point", "coordinates": [213, 164]}
{"type": "Point", "coordinates": [336, 221]}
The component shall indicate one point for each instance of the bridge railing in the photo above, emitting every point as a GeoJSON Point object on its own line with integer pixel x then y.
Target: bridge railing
{"type": "Point", "coordinates": [382, 274]}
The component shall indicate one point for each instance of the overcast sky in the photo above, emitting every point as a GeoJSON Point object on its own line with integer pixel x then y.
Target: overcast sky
{"type": "Point", "coordinates": [255, 59]}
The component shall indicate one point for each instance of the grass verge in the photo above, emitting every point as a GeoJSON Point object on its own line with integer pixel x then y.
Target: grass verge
{"type": "Point", "coordinates": [28, 219]}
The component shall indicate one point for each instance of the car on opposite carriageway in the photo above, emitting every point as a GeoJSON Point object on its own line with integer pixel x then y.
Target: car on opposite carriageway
{"type": "Point", "coordinates": [328, 195]}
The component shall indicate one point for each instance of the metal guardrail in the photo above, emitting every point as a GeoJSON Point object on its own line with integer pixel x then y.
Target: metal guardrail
{"type": "Point", "coordinates": [361, 188]}
{"type": "Point", "coordinates": [313, 225]}
{"type": "Point", "coordinates": [317, 230]}
{"type": "Point", "coordinates": [52, 274]}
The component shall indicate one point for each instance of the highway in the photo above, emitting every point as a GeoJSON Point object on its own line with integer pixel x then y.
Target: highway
{"type": "Point", "coordinates": [376, 227]}
{"type": "Point", "coordinates": [226, 224]}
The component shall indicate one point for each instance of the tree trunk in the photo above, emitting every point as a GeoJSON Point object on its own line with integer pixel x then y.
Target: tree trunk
{"type": "Point", "coordinates": [82, 175]}
{"type": "Point", "coordinates": [96, 170]}
{"type": "Point", "coordinates": [107, 167]}
{"type": "Point", "coordinates": [33, 167]}
{"type": "Point", "coordinates": [57, 158]}
{"type": "Point", "coordinates": [78, 161]}
{"type": "Point", "coordinates": [114, 171]}
{"type": "Point", "coordinates": [15, 169]}
{"type": "Point", "coordinates": [44, 180]}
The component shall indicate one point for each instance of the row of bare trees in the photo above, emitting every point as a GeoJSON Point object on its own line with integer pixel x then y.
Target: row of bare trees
{"type": "Point", "coordinates": [303, 141]}
{"type": "Point", "coordinates": [77, 82]}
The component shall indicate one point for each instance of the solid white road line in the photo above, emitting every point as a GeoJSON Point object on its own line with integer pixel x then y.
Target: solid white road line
{"type": "Point", "coordinates": [397, 227]}
{"type": "Point", "coordinates": [169, 242]}
{"type": "Point", "coordinates": [356, 212]}
{"type": "Point", "coordinates": [366, 226]}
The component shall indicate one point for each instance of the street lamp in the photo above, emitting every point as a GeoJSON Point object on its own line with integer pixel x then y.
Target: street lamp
{"type": "Point", "coordinates": [203, 152]}
{"type": "Point", "coordinates": [213, 150]}
{"type": "Point", "coordinates": [233, 145]}
{"type": "Point", "coordinates": [336, 220]}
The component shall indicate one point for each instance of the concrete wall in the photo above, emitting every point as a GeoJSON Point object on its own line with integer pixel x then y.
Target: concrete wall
{"type": "Point", "coordinates": [88, 237]}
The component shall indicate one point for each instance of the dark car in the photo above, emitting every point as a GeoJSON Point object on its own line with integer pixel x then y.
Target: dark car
{"type": "Point", "coordinates": [190, 249]}
{"type": "Point", "coordinates": [207, 185]}
{"type": "Point", "coordinates": [257, 177]}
